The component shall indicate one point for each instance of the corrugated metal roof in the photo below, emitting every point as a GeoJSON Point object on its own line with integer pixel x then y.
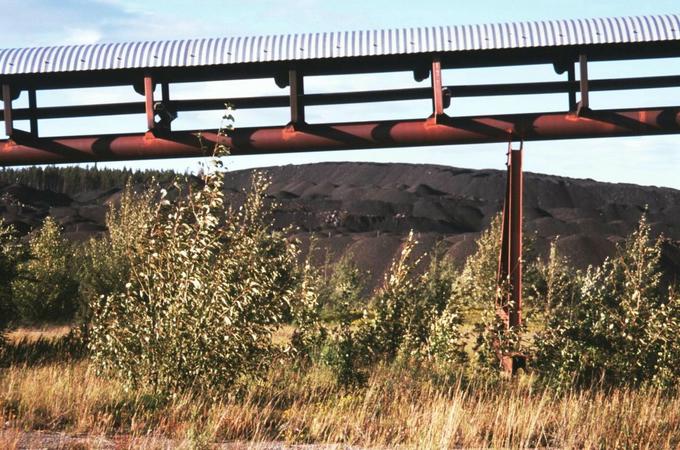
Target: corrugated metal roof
{"type": "Point", "coordinates": [292, 47]}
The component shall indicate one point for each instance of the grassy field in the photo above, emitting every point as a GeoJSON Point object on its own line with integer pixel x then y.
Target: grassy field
{"type": "Point", "coordinates": [398, 407]}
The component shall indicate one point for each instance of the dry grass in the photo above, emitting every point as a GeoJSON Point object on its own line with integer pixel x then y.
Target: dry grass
{"type": "Point", "coordinates": [31, 335]}
{"type": "Point", "coordinates": [39, 346]}
{"type": "Point", "coordinates": [397, 408]}
{"type": "Point", "coordinates": [282, 335]}
{"type": "Point", "coordinates": [59, 402]}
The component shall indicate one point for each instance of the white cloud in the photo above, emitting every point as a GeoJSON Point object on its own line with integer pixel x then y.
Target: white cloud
{"type": "Point", "coordinates": [81, 36]}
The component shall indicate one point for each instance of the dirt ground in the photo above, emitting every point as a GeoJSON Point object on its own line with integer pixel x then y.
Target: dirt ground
{"type": "Point", "coordinates": [33, 440]}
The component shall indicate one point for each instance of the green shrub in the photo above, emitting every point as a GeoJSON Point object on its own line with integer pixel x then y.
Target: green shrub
{"type": "Point", "coordinates": [341, 293]}
{"type": "Point", "coordinates": [205, 292]}
{"type": "Point", "coordinates": [472, 300]}
{"type": "Point", "coordinates": [431, 308]}
{"type": "Point", "coordinates": [446, 338]}
{"type": "Point", "coordinates": [380, 333]}
{"type": "Point", "coordinates": [46, 287]}
{"type": "Point", "coordinates": [395, 308]}
{"type": "Point", "coordinates": [555, 283]}
{"type": "Point", "coordinates": [346, 355]}
{"type": "Point", "coordinates": [11, 252]}
{"type": "Point", "coordinates": [623, 328]}
{"type": "Point", "coordinates": [105, 262]}
{"type": "Point", "coordinates": [305, 310]}
{"type": "Point", "coordinates": [446, 342]}
{"type": "Point", "coordinates": [402, 322]}
{"type": "Point", "coordinates": [342, 302]}
{"type": "Point", "coordinates": [477, 283]}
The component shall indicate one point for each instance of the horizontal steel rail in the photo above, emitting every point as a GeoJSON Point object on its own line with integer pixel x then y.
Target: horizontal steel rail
{"type": "Point", "coordinates": [281, 101]}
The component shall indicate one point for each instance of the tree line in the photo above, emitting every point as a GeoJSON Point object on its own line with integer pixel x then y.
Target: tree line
{"type": "Point", "coordinates": [74, 179]}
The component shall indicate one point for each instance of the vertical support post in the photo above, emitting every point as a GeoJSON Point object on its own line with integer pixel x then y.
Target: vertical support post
{"type": "Point", "coordinates": [584, 103]}
{"type": "Point", "coordinates": [509, 298]}
{"type": "Point", "coordinates": [571, 77]}
{"type": "Point", "coordinates": [7, 105]}
{"type": "Point", "coordinates": [148, 102]}
{"type": "Point", "coordinates": [297, 90]}
{"type": "Point", "coordinates": [516, 191]}
{"type": "Point", "coordinates": [32, 106]}
{"type": "Point", "coordinates": [437, 94]}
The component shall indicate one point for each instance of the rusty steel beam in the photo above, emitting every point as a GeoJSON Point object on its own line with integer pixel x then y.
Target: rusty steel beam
{"type": "Point", "coordinates": [24, 149]}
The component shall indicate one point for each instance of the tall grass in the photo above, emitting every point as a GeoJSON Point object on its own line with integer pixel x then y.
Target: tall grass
{"type": "Point", "coordinates": [398, 407]}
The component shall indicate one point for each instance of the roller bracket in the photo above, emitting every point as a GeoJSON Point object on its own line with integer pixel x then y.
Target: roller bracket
{"type": "Point", "coordinates": [164, 111]}
{"type": "Point", "coordinates": [446, 93]}
{"type": "Point", "coordinates": [563, 63]}
{"type": "Point", "coordinates": [281, 79]}
{"type": "Point", "coordinates": [421, 73]}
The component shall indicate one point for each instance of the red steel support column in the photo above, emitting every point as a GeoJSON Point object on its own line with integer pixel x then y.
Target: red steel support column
{"type": "Point", "coordinates": [584, 103]}
{"type": "Point", "coordinates": [437, 94]}
{"type": "Point", "coordinates": [509, 297]}
{"type": "Point", "coordinates": [7, 105]}
{"type": "Point", "coordinates": [148, 103]}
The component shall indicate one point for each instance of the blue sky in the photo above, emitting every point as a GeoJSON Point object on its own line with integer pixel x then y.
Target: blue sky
{"type": "Point", "coordinates": [648, 160]}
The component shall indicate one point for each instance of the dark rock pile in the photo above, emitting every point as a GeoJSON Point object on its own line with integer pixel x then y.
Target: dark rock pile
{"type": "Point", "coordinates": [368, 208]}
